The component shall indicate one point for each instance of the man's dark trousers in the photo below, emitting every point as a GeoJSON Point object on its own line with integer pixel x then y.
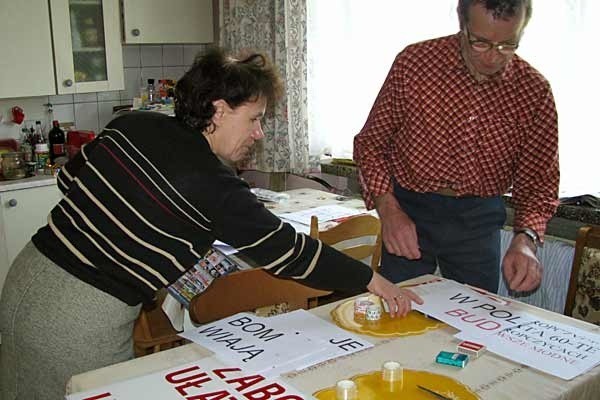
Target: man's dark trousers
{"type": "Point", "coordinates": [460, 234]}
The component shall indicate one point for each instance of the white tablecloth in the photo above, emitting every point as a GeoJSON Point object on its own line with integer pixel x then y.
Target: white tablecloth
{"type": "Point", "coordinates": [490, 376]}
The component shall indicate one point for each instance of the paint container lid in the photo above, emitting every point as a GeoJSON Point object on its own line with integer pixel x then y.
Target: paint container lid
{"type": "Point", "coordinates": [346, 390]}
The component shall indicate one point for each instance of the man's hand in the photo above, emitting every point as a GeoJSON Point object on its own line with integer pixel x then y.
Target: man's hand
{"type": "Point", "coordinates": [397, 299]}
{"type": "Point", "coordinates": [521, 268]}
{"type": "Point", "coordinates": [398, 231]}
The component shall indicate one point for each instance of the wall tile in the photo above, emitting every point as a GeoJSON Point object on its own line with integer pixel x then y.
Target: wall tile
{"type": "Point", "coordinates": [132, 84]}
{"type": "Point", "coordinates": [109, 96]}
{"type": "Point", "coordinates": [85, 97]}
{"type": "Point", "coordinates": [151, 56]}
{"type": "Point", "coordinates": [131, 56]}
{"type": "Point", "coordinates": [33, 106]}
{"type": "Point", "coordinates": [87, 110]}
{"type": "Point", "coordinates": [61, 99]}
{"type": "Point", "coordinates": [152, 72]}
{"type": "Point", "coordinates": [86, 116]}
{"type": "Point", "coordinates": [105, 112]}
{"type": "Point", "coordinates": [190, 51]}
{"type": "Point", "coordinates": [172, 55]}
{"type": "Point", "coordinates": [64, 112]}
{"type": "Point", "coordinates": [173, 72]}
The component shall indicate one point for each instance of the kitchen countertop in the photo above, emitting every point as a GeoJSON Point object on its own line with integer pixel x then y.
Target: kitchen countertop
{"type": "Point", "coordinates": [26, 183]}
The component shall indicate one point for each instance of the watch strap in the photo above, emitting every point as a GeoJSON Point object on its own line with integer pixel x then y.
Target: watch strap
{"type": "Point", "coordinates": [530, 233]}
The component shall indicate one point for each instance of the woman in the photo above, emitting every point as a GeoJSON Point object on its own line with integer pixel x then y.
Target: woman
{"type": "Point", "coordinates": [142, 203]}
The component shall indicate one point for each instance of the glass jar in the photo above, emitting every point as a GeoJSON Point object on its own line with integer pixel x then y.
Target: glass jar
{"type": "Point", "coordinates": [13, 166]}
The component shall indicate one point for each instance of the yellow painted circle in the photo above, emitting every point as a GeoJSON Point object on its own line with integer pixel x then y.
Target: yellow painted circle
{"type": "Point", "coordinates": [414, 323]}
{"type": "Point", "coordinates": [372, 387]}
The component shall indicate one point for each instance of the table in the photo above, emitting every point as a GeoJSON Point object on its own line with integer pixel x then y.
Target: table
{"type": "Point", "coordinates": [300, 200]}
{"type": "Point", "coordinates": [490, 376]}
{"type": "Point", "coordinates": [303, 199]}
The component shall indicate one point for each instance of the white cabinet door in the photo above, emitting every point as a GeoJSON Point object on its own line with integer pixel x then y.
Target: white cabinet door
{"type": "Point", "coordinates": [174, 21]}
{"type": "Point", "coordinates": [87, 45]}
{"type": "Point", "coordinates": [26, 64]}
{"type": "Point", "coordinates": [22, 213]}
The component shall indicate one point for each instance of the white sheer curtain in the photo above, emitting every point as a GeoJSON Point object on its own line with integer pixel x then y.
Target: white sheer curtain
{"type": "Point", "coordinates": [352, 43]}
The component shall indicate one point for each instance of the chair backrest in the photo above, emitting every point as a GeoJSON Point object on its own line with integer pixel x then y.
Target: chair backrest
{"type": "Point", "coordinates": [248, 290]}
{"type": "Point", "coordinates": [583, 301]}
{"type": "Point", "coordinates": [152, 331]}
{"type": "Point", "coordinates": [355, 231]}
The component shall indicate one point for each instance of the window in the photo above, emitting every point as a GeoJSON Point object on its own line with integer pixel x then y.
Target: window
{"type": "Point", "coordinates": [352, 44]}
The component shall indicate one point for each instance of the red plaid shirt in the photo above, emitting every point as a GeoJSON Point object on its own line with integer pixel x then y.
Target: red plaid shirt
{"type": "Point", "coordinates": [434, 126]}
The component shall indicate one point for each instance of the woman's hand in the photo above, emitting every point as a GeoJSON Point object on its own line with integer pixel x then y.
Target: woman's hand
{"type": "Point", "coordinates": [397, 299]}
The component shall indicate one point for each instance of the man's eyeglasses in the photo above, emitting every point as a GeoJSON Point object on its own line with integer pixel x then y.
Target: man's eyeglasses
{"type": "Point", "coordinates": [482, 45]}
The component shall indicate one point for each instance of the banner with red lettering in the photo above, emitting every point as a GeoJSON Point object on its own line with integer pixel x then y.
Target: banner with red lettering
{"type": "Point", "coordinates": [206, 379]}
{"type": "Point", "coordinates": [505, 329]}
{"type": "Point", "coordinates": [551, 347]}
{"type": "Point", "coordinates": [467, 310]}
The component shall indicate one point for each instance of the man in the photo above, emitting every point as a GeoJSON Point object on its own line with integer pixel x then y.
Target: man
{"type": "Point", "coordinates": [459, 120]}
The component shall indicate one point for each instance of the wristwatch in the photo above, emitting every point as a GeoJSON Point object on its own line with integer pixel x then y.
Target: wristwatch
{"type": "Point", "coordinates": [530, 233]}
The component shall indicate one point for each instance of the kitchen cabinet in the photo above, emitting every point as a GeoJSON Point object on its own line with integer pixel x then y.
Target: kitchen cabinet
{"type": "Point", "coordinates": [26, 64]}
{"type": "Point", "coordinates": [85, 36]}
{"type": "Point", "coordinates": [175, 21]}
{"type": "Point", "coordinates": [22, 213]}
{"type": "Point", "coordinates": [87, 45]}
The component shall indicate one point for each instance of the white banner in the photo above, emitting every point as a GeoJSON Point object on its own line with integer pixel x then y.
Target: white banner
{"type": "Point", "coordinates": [467, 310]}
{"type": "Point", "coordinates": [273, 345]}
{"type": "Point", "coordinates": [206, 379]}
{"type": "Point", "coordinates": [557, 349]}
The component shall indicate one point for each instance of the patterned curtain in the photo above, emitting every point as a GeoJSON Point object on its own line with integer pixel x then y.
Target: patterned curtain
{"type": "Point", "coordinates": [276, 28]}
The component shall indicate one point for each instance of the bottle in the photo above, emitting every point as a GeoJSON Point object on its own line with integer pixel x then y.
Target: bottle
{"type": "Point", "coordinates": [151, 91]}
{"type": "Point", "coordinates": [42, 153]}
{"type": "Point", "coordinates": [39, 133]}
{"type": "Point", "coordinates": [143, 98]}
{"type": "Point", "coordinates": [26, 147]}
{"type": "Point", "coordinates": [56, 139]}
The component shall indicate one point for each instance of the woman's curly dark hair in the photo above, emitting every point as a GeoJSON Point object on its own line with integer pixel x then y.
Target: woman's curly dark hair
{"type": "Point", "coordinates": [215, 76]}
{"type": "Point", "coordinates": [500, 8]}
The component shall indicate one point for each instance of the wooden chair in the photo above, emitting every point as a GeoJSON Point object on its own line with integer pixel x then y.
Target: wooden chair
{"type": "Point", "coordinates": [245, 290]}
{"type": "Point", "coordinates": [152, 331]}
{"type": "Point", "coordinates": [248, 290]}
{"type": "Point", "coordinates": [583, 297]}
{"type": "Point", "coordinates": [355, 228]}
{"type": "Point", "coordinates": [350, 237]}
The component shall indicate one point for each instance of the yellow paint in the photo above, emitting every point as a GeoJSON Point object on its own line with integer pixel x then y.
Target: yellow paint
{"type": "Point", "coordinates": [414, 323]}
{"type": "Point", "coordinates": [371, 386]}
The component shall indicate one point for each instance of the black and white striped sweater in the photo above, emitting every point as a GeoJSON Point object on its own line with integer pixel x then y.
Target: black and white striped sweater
{"type": "Point", "coordinates": [145, 200]}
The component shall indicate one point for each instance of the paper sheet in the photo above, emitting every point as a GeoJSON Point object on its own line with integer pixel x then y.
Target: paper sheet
{"type": "Point", "coordinates": [324, 213]}
{"type": "Point", "coordinates": [175, 311]}
{"type": "Point", "coordinates": [278, 344]}
{"type": "Point", "coordinates": [557, 349]}
{"type": "Point", "coordinates": [465, 309]}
